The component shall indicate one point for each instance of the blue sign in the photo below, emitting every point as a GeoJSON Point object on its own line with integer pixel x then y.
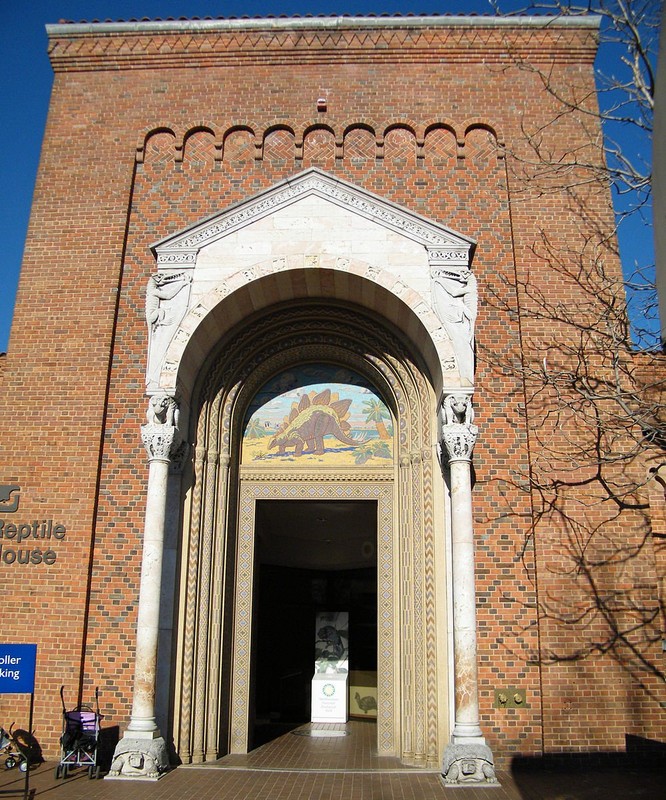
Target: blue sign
{"type": "Point", "coordinates": [17, 668]}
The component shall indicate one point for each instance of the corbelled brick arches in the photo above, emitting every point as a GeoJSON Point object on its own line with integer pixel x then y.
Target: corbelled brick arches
{"type": "Point", "coordinates": [440, 143]}
{"type": "Point", "coordinates": [211, 688]}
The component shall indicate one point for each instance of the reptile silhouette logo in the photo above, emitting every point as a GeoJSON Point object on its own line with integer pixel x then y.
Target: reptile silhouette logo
{"type": "Point", "coordinates": [9, 504]}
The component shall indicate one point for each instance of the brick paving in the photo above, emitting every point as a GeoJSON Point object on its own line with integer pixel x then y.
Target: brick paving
{"type": "Point", "coordinates": [304, 767]}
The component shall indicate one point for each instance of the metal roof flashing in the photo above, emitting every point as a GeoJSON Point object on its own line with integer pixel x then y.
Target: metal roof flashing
{"type": "Point", "coordinates": [319, 23]}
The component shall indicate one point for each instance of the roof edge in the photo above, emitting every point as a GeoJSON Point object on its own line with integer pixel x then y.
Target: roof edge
{"type": "Point", "coordinates": [320, 23]}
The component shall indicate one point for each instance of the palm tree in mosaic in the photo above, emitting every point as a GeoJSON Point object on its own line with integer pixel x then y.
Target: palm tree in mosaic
{"type": "Point", "coordinates": [377, 412]}
{"type": "Point", "coordinates": [255, 429]}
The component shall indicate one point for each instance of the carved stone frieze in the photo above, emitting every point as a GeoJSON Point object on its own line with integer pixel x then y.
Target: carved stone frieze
{"type": "Point", "coordinates": [161, 290]}
{"type": "Point", "coordinates": [455, 299]}
{"type": "Point", "coordinates": [449, 246]}
{"type": "Point", "coordinates": [167, 302]}
{"type": "Point", "coordinates": [450, 255]}
{"type": "Point", "coordinates": [181, 259]}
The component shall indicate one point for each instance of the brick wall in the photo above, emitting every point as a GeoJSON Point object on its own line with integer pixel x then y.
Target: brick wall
{"type": "Point", "coordinates": [150, 131]}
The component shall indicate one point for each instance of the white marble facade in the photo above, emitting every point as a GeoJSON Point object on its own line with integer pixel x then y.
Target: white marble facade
{"type": "Point", "coordinates": [312, 221]}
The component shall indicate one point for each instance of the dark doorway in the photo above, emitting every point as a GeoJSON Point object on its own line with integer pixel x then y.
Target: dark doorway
{"type": "Point", "coordinates": [310, 556]}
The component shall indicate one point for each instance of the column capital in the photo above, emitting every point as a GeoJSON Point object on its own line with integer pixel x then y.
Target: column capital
{"type": "Point", "coordinates": [459, 440]}
{"type": "Point", "coordinates": [458, 430]}
{"type": "Point", "coordinates": [160, 433]}
{"type": "Point", "coordinates": [158, 440]}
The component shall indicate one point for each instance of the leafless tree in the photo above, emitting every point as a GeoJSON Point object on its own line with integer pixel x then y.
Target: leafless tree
{"type": "Point", "coordinates": [590, 370]}
{"type": "Point", "coordinates": [624, 105]}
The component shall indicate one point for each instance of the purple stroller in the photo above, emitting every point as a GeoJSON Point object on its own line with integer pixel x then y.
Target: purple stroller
{"type": "Point", "coordinates": [80, 737]}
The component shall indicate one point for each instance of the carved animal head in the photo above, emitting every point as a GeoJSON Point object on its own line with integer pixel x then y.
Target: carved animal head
{"type": "Point", "coordinates": [459, 405]}
{"type": "Point", "coordinates": [457, 409]}
{"type": "Point", "coordinates": [159, 405]}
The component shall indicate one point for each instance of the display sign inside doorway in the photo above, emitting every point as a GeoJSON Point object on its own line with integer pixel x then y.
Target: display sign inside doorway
{"type": "Point", "coordinates": [318, 414]}
{"type": "Point", "coordinates": [22, 541]}
{"type": "Point", "coordinates": [17, 668]}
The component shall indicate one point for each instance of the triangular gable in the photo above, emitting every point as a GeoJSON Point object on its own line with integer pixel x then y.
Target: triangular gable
{"type": "Point", "coordinates": [181, 249]}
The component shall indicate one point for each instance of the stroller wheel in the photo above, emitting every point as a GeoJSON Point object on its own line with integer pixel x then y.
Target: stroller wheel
{"type": "Point", "coordinates": [10, 762]}
{"type": "Point", "coordinates": [56, 774]}
{"type": "Point", "coordinates": [23, 766]}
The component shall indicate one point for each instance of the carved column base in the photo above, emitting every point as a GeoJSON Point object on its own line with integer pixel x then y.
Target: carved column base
{"type": "Point", "coordinates": [139, 757]}
{"type": "Point", "coordinates": [469, 765]}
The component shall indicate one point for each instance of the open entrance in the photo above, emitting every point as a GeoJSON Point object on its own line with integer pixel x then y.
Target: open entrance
{"type": "Point", "coordinates": [310, 557]}
{"type": "Point", "coordinates": [305, 378]}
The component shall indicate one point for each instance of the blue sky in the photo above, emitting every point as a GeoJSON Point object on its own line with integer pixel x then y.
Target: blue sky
{"type": "Point", "coordinates": [26, 77]}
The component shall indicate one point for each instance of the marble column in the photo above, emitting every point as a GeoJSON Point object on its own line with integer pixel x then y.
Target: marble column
{"type": "Point", "coordinates": [142, 753]}
{"type": "Point", "coordinates": [467, 759]}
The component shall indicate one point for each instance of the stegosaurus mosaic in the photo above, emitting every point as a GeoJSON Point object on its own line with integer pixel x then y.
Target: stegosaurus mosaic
{"type": "Point", "coordinates": [311, 420]}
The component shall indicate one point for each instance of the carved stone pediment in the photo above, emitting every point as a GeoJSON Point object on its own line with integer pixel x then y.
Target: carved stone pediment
{"type": "Point", "coordinates": [319, 223]}
{"type": "Point", "coordinates": [181, 249]}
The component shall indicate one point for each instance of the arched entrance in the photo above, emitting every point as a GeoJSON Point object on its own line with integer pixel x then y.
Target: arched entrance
{"type": "Point", "coordinates": [217, 624]}
{"type": "Point", "coordinates": [313, 271]}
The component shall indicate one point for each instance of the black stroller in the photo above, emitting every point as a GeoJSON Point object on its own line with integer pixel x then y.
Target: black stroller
{"type": "Point", "coordinates": [15, 746]}
{"type": "Point", "coordinates": [80, 738]}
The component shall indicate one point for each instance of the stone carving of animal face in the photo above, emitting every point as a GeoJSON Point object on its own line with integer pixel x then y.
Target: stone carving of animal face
{"type": "Point", "coordinates": [459, 407]}
{"type": "Point", "coordinates": [162, 410]}
{"type": "Point", "coordinates": [458, 410]}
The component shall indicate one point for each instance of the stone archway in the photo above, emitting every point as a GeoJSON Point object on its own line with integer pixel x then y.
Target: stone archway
{"type": "Point", "coordinates": [311, 235]}
{"type": "Point", "coordinates": [401, 312]}
{"type": "Point", "coordinates": [212, 697]}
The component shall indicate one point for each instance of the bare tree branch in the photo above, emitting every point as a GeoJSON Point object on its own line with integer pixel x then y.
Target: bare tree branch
{"type": "Point", "coordinates": [595, 407]}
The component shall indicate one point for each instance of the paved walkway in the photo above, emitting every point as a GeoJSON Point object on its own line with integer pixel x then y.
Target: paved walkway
{"type": "Point", "coordinates": [298, 766]}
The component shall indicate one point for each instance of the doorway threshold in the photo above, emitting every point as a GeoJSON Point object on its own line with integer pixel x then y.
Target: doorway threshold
{"type": "Point", "coordinates": [318, 747]}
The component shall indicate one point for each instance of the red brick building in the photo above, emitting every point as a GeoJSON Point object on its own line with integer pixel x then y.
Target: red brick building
{"type": "Point", "coordinates": [307, 246]}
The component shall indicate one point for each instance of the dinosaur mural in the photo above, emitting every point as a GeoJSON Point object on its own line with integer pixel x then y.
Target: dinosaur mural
{"type": "Point", "coordinates": [318, 413]}
{"type": "Point", "coordinates": [311, 420]}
